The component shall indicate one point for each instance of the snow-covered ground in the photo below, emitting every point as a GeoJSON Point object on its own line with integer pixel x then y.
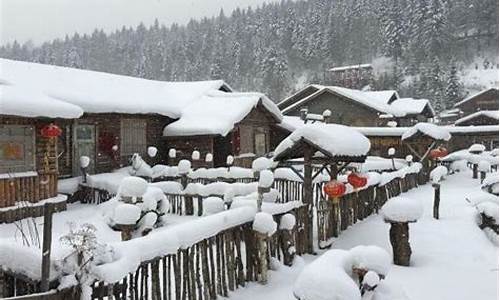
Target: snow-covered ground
{"type": "Point", "coordinates": [452, 258]}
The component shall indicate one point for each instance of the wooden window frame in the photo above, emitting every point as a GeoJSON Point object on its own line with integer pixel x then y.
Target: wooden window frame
{"type": "Point", "coordinates": [29, 162]}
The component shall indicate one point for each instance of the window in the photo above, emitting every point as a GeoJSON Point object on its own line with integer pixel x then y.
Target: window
{"type": "Point", "coordinates": [133, 136]}
{"type": "Point", "coordinates": [260, 144]}
{"type": "Point", "coordinates": [17, 148]}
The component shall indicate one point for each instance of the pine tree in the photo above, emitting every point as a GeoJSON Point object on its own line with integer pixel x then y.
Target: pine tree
{"type": "Point", "coordinates": [435, 85]}
{"type": "Point", "coordinates": [454, 89]}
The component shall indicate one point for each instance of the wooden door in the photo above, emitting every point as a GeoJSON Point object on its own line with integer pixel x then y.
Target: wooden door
{"type": "Point", "coordinates": [84, 145]}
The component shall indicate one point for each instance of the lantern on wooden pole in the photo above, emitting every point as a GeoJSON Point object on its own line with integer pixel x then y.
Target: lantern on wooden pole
{"type": "Point", "coordinates": [391, 152]}
{"type": "Point", "coordinates": [334, 190]}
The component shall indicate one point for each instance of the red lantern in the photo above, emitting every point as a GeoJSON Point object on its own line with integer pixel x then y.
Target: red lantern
{"type": "Point", "coordinates": [51, 131]}
{"type": "Point", "coordinates": [334, 189]}
{"type": "Point", "coordinates": [438, 153]}
{"type": "Point", "coordinates": [356, 180]}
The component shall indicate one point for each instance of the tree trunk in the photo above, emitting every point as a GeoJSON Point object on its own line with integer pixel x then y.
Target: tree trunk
{"type": "Point", "coordinates": [437, 199]}
{"type": "Point", "coordinates": [262, 244]}
{"type": "Point", "coordinates": [399, 236]}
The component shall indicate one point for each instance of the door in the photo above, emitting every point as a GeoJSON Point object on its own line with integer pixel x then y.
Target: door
{"type": "Point", "coordinates": [83, 145]}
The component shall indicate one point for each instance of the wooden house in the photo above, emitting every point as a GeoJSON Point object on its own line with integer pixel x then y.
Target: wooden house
{"type": "Point", "coordinates": [237, 124]}
{"type": "Point", "coordinates": [358, 108]}
{"type": "Point", "coordinates": [482, 101]}
{"type": "Point", "coordinates": [354, 76]}
{"type": "Point", "coordinates": [29, 144]}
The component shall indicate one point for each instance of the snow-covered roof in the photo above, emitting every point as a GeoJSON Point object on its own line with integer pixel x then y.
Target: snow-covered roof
{"type": "Point", "coordinates": [344, 68]}
{"type": "Point", "coordinates": [98, 92]}
{"type": "Point", "coordinates": [23, 101]}
{"type": "Point", "coordinates": [216, 113]}
{"type": "Point", "coordinates": [493, 114]}
{"type": "Point", "coordinates": [473, 96]}
{"type": "Point", "coordinates": [332, 139]}
{"type": "Point", "coordinates": [381, 101]}
{"type": "Point", "coordinates": [291, 123]}
{"type": "Point", "coordinates": [432, 130]}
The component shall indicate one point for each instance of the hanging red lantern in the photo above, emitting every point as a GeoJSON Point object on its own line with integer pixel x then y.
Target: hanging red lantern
{"type": "Point", "coordinates": [438, 153]}
{"type": "Point", "coordinates": [334, 189]}
{"type": "Point", "coordinates": [51, 131]}
{"type": "Point", "coordinates": [356, 180]}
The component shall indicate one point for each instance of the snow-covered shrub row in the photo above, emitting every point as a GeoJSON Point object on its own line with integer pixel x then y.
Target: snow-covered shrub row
{"type": "Point", "coordinates": [386, 177]}
{"type": "Point", "coordinates": [402, 209]}
{"type": "Point", "coordinates": [331, 276]}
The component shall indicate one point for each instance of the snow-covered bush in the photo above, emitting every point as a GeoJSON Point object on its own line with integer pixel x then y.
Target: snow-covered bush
{"type": "Point", "coordinates": [126, 214]}
{"type": "Point", "coordinates": [401, 209]}
{"type": "Point", "coordinates": [264, 224]}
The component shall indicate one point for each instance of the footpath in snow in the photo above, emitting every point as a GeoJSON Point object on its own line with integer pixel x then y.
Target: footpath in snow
{"type": "Point", "coordinates": [452, 258]}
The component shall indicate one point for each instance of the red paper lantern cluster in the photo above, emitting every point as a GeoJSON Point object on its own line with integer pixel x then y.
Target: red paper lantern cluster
{"type": "Point", "coordinates": [438, 153]}
{"type": "Point", "coordinates": [51, 131]}
{"type": "Point", "coordinates": [357, 181]}
{"type": "Point", "coordinates": [334, 189]}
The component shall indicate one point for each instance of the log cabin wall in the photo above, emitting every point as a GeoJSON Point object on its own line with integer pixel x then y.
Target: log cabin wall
{"type": "Point", "coordinates": [484, 101]}
{"type": "Point", "coordinates": [109, 132]}
{"type": "Point", "coordinates": [31, 187]}
{"type": "Point", "coordinates": [185, 146]}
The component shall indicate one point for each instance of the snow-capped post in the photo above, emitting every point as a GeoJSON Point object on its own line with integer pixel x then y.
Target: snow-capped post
{"type": "Point", "coordinates": [327, 116]}
{"type": "Point", "coordinates": [484, 167]}
{"type": "Point", "coordinates": [229, 162]}
{"type": "Point", "coordinates": [209, 158]}
{"type": "Point", "coordinates": [409, 159]}
{"type": "Point", "coordinates": [391, 152]}
{"type": "Point", "coordinates": [264, 226]}
{"type": "Point", "coordinates": [475, 150]}
{"type": "Point", "coordinates": [184, 167]}
{"type": "Point", "coordinates": [303, 114]}
{"type": "Point", "coordinates": [152, 151]}
{"type": "Point", "coordinates": [437, 175]}
{"type": "Point", "coordinates": [84, 164]}
{"type": "Point", "coordinates": [334, 190]}
{"type": "Point", "coordinates": [195, 157]}
{"type": "Point", "coordinates": [172, 154]}
{"type": "Point", "coordinates": [266, 179]}
{"type": "Point", "coordinates": [48, 210]}
{"type": "Point", "coordinates": [399, 212]}
{"type": "Point", "coordinates": [286, 230]}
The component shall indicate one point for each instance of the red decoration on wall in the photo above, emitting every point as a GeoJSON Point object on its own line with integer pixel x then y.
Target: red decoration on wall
{"type": "Point", "coordinates": [51, 131]}
{"type": "Point", "coordinates": [356, 180]}
{"type": "Point", "coordinates": [334, 189]}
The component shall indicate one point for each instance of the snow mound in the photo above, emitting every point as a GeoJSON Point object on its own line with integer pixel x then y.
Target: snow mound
{"type": "Point", "coordinates": [434, 131]}
{"type": "Point", "coordinates": [401, 209]}
{"type": "Point", "coordinates": [484, 166]}
{"type": "Point", "coordinates": [126, 214]}
{"type": "Point", "coordinates": [266, 179]}
{"type": "Point", "coordinates": [438, 174]}
{"type": "Point", "coordinates": [371, 258]}
{"type": "Point", "coordinates": [459, 165]}
{"type": "Point", "coordinates": [489, 209]}
{"type": "Point", "coordinates": [264, 223]}
{"type": "Point", "coordinates": [184, 166]}
{"type": "Point", "coordinates": [261, 164]}
{"type": "Point", "coordinates": [212, 205]}
{"type": "Point", "coordinates": [132, 187]}
{"type": "Point", "coordinates": [287, 222]}
{"type": "Point", "coordinates": [477, 148]}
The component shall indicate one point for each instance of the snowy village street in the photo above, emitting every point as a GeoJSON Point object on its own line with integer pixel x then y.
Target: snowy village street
{"type": "Point", "coordinates": [452, 258]}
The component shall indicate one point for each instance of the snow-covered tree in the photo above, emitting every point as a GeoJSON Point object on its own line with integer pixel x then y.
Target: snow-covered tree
{"type": "Point", "coordinates": [454, 88]}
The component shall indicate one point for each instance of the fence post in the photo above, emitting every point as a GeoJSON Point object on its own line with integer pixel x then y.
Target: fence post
{"type": "Point", "coordinates": [48, 210]}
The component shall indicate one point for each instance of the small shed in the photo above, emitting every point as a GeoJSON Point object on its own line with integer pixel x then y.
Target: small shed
{"type": "Point", "coordinates": [238, 124]}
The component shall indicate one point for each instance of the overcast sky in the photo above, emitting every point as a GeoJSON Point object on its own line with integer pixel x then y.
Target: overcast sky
{"type": "Point", "coordinates": [42, 20]}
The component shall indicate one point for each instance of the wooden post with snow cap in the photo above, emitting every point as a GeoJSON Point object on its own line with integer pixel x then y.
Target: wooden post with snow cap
{"type": "Point", "coordinates": [437, 175]}
{"type": "Point", "coordinates": [48, 210]}
{"type": "Point", "coordinates": [264, 227]}
{"type": "Point", "coordinates": [184, 167]}
{"type": "Point", "coordinates": [308, 196]}
{"type": "Point", "coordinates": [286, 234]}
{"type": "Point", "coordinates": [399, 212]}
